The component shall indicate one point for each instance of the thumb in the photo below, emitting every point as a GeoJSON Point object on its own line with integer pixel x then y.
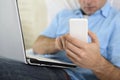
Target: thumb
{"type": "Point", "coordinates": [58, 43]}
{"type": "Point", "coordinates": [93, 37]}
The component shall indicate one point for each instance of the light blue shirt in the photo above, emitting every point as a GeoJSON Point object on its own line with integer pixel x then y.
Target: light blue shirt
{"type": "Point", "coordinates": [105, 23]}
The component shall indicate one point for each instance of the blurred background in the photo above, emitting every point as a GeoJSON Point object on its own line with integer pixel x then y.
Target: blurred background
{"type": "Point", "coordinates": [36, 15]}
{"type": "Point", "coordinates": [33, 18]}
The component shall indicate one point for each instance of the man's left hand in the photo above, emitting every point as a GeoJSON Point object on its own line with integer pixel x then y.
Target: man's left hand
{"type": "Point", "coordinates": [85, 55]}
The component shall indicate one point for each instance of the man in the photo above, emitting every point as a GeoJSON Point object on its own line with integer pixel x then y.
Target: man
{"type": "Point", "coordinates": [98, 59]}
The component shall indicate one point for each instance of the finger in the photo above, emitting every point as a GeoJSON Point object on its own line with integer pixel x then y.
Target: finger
{"type": "Point", "coordinates": [75, 59]}
{"type": "Point", "coordinates": [63, 42]}
{"type": "Point", "coordinates": [74, 49]}
{"type": "Point", "coordinates": [93, 37]}
{"type": "Point", "coordinates": [72, 56]}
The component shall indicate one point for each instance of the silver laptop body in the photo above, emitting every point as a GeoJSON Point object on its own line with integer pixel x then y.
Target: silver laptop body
{"type": "Point", "coordinates": [11, 41]}
{"type": "Point", "coordinates": [11, 38]}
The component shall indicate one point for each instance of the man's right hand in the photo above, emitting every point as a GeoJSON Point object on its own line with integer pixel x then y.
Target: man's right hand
{"type": "Point", "coordinates": [46, 45]}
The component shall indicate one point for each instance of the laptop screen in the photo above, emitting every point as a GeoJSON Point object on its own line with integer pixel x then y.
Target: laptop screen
{"type": "Point", "coordinates": [11, 41]}
{"type": "Point", "coordinates": [20, 19]}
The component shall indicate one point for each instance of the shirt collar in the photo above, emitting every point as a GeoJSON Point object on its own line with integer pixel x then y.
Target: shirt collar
{"type": "Point", "coordinates": [78, 12]}
{"type": "Point", "coordinates": [104, 10]}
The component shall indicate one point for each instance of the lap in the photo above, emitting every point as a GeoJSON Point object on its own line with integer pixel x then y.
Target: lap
{"type": "Point", "coordinates": [13, 70]}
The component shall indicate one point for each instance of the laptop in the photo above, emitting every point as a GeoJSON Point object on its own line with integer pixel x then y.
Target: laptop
{"type": "Point", "coordinates": [12, 42]}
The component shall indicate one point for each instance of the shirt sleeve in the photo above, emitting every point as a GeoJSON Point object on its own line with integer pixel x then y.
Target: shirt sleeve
{"type": "Point", "coordinates": [56, 29]}
{"type": "Point", "coordinates": [51, 30]}
{"type": "Point", "coordinates": [114, 44]}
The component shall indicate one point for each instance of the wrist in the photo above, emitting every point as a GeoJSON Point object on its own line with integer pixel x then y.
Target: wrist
{"type": "Point", "coordinates": [102, 66]}
{"type": "Point", "coordinates": [106, 71]}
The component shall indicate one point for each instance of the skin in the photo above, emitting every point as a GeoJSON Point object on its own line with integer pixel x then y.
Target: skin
{"type": "Point", "coordinates": [41, 43]}
{"type": "Point", "coordinates": [85, 55]}
{"type": "Point", "coordinates": [91, 6]}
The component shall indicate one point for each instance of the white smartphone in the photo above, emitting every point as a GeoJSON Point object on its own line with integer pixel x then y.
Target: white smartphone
{"type": "Point", "coordinates": [79, 28]}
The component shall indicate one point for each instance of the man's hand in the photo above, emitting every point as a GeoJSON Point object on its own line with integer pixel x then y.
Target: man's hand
{"type": "Point", "coordinates": [86, 55]}
{"type": "Point", "coordinates": [46, 45]}
{"type": "Point", "coordinates": [60, 43]}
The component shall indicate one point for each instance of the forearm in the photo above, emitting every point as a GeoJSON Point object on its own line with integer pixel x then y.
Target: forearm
{"type": "Point", "coordinates": [44, 45]}
{"type": "Point", "coordinates": [107, 71]}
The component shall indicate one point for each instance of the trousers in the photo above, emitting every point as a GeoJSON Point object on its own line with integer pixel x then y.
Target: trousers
{"type": "Point", "coordinates": [13, 70]}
